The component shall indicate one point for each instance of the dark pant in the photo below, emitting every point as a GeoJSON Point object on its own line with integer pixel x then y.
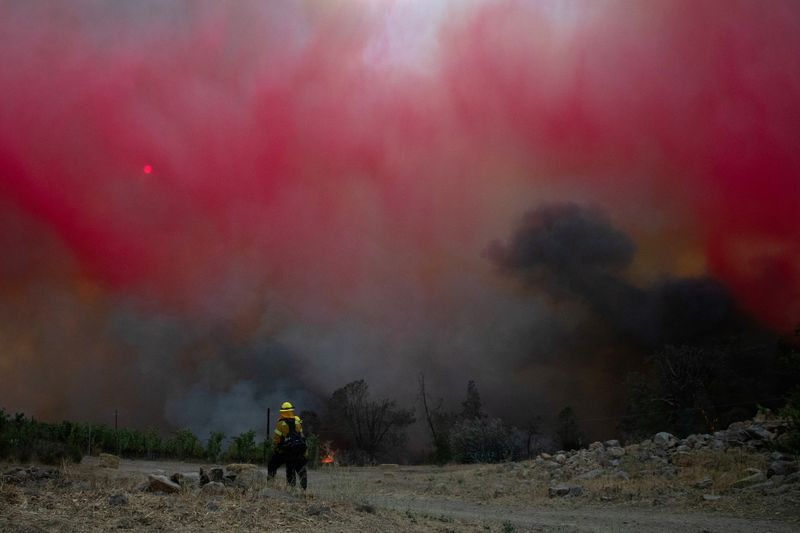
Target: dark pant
{"type": "Point", "coordinates": [294, 465]}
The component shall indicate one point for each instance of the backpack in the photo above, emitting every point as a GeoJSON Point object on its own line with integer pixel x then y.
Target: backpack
{"type": "Point", "coordinates": [293, 444]}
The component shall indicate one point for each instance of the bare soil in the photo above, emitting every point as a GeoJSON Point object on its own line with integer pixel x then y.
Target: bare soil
{"type": "Point", "coordinates": [405, 498]}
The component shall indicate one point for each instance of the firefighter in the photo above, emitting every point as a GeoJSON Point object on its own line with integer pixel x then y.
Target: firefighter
{"type": "Point", "coordinates": [289, 447]}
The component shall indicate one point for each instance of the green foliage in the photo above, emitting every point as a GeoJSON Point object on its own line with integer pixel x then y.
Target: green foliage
{"type": "Point", "coordinates": [214, 446]}
{"type": "Point", "coordinates": [184, 445]}
{"type": "Point", "coordinates": [481, 440]}
{"type": "Point", "coordinates": [243, 449]}
{"type": "Point", "coordinates": [23, 439]}
{"type": "Point", "coordinates": [56, 453]}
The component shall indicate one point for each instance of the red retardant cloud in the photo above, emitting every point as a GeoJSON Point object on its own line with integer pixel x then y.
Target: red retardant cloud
{"type": "Point", "coordinates": [290, 140]}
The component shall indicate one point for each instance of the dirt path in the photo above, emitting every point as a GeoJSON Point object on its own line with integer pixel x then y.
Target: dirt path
{"type": "Point", "coordinates": [402, 490]}
{"type": "Point", "coordinates": [393, 493]}
{"type": "Point", "coordinates": [583, 519]}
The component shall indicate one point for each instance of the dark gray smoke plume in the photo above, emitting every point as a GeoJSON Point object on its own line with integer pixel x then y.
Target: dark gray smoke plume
{"type": "Point", "coordinates": [573, 252]}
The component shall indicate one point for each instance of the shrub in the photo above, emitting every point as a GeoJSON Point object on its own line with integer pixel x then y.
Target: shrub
{"type": "Point", "coordinates": [56, 453]}
{"type": "Point", "coordinates": [481, 440]}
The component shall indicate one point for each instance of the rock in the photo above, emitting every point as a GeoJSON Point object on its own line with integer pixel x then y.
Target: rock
{"type": "Point", "coordinates": [117, 500]}
{"type": "Point", "coordinates": [757, 432]}
{"type": "Point", "coordinates": [558, 490]}
{"type": "Point", "coordinates": [252, 478]}
{"type": "Point", "coordinates": [749, 480]}
{"type": "Point", "coordinates": [615, 452]}
{"type": "Point", "coordinates": [703, 483]}
{"type": "Point", "coordinates": [781, 468]}
{"type": "Point", "coordinates": [683, 449]}
{"type": "Point", "coordinates": [778, 456]}
{"type": "Point", "coordinates": [177, 477]}
{"type": "Point", "coordinates": [561, 458]}
{"type": "Point", "coordinates": [161, 484]}
{"type": "Point", "coordinates": [317, 509]}
{"type": "Point", "coordinates": [109, 461]}
{"type": "Point", "coordinates": [623, 475]}
{"type": "Point", "coordinates": [550, 465]}
{"type": "Point", "coordinates": [597, 445]}
{"type": "Point", "coordinates": [565, 490]}
{"type": "Point", "coordinates": [365, 507]}
{"type": "Point", "coordinates": [576, 490]}
{"type": "Point", "coordinates": [591, 474]}
{"type": "Point", "coordinates": [238, 468]}
{"type": "Point", "coordinates": [213, 488]}
{"type": "Point", "coordinates": [213, 505]}
{"type": "Point", "coordinates": [216, 474]}
{"type": "Point", "coordinates": [711, 497]}
{"type": "Point", "coordinates": [664, 439]}
{"type": "Point", "coordinates": [545, 456]}
{"type": "Point", "coordinates": [613, 443]}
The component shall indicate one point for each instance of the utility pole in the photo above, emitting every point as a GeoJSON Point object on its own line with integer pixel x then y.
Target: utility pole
{"type": "Point", "coordinates": [116, 429]}
{"type": "Point", "coordinates": [267, 436]}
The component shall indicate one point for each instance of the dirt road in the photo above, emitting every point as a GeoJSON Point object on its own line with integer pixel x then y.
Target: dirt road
{"type": "Point", "coordinates": [389, 499]}
{"type": "Point", "coordinates": [407, 489]}
{"type": "Point", "coordinates": [403, 490]}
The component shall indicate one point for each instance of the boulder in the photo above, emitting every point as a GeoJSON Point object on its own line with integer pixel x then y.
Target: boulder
{"type": "Point", "coordinates": [252, 478]}
{"type": "Point", "coordinates": [664, 439]}
{"type": "Point", "coordinates": [116, 500]}
{"type": "Point", "coordinates": [109, 461]}
{"type": "Point", "coordinates": [591, 474]}
{"type": "Point", "coordinates": [238, 468]}
{"type": "Point", "coordinates": [613, 443]}
{"type": "Point", "coordinates": [703, 483]}
{"type": "Point", "coordinates": [161, 484]}
{"type": "Point", "coordinates": [562, 489]}
{"type": "Point", "coordinates": [317, 509]}
{"type": "Point", "coordinates": [561, 458]}
{"type": "Point", "coordinates": [213, 488]}
{"type": "Point", "coordinates": [216, 474]}
{"type": "Point", "coordinates": [781, 468]}
{"type": "Point", "coordinates": [622, 475]}
{"type": "Point", "coordinates": [615, 452]}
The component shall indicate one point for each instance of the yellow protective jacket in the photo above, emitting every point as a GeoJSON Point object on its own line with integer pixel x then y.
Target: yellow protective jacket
{"type": "Point", "coordinates": [282, 428]}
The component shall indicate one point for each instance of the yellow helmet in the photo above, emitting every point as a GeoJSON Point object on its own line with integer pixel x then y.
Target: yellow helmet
{"type": "Point", "coordinates": [286, 406]}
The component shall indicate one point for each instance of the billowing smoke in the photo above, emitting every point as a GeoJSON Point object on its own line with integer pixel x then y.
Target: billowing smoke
{"type": "Point", "coordinates": [574, 252]}
{"type": "Point", "coordinates": [210, 207]}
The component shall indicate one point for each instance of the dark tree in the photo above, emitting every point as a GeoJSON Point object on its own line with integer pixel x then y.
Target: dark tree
{"type": "Point", "coordinates": [369, 425]}
{"type": "Point", "coordinates": [567, 430]}
{"type": "Point", "coordinates": [471, 407]}
{"type": "Point", "coordinates": [439, 423]}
